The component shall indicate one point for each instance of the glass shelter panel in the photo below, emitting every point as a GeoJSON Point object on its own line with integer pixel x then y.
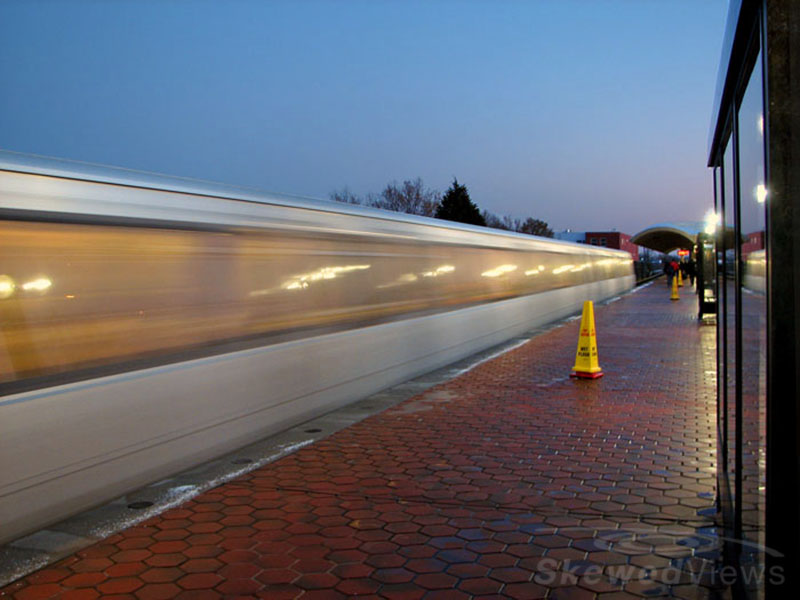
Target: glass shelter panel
{"type": "Point", "coordinates": [752, 287]}
{"type": "Point", "coordinates": [719, 282]}
{"type": "Point", "coordinates": [728, 291]}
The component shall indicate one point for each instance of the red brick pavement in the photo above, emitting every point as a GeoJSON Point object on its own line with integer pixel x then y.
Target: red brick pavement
{"type": "Point", "coordinates": [512, 480]}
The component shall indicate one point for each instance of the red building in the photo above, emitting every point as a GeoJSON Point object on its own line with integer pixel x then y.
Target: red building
{"type": "Point", "coordinates": [613, 239]}
{"type": "Point", "coordinates": [755, 241]}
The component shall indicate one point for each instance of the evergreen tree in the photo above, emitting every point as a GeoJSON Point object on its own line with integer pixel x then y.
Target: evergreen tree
{"type": "Point", "coordinates": [457, 206]}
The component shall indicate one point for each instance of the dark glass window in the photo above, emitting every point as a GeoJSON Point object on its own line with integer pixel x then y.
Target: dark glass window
{"type": "Point", "coordinates": [718, 274]}
{"type": "Point", "coordinates": [752, 289]}
{"type": "Point", "coordinates": [728, 321]}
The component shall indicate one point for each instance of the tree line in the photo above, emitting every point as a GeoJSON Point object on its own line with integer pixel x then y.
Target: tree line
{"type": "Point", "coordinates": [412, 197]}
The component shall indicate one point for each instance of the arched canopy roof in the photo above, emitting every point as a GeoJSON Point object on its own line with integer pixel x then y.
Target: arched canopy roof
{"type": "Point", "coordinates": [666, 237]}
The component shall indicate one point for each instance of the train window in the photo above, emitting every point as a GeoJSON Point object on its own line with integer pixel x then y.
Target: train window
{"type": "Point", "coordinates": [81, 297]}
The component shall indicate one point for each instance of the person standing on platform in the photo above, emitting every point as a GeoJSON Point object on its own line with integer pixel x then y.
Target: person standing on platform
{"type": "Point", "coordinates": [669, 271]}
{"type": "Point", "coordinates": [690, 270]}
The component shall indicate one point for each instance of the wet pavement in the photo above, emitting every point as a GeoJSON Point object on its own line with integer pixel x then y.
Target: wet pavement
{"type": "Point", "coordinates": [509, 480]}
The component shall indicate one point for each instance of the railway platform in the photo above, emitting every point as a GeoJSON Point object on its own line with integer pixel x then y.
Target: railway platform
{"type": "Point", "coordinates": [508, 480]}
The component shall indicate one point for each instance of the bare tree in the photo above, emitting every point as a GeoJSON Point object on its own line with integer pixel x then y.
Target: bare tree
{"type": "Point", "coordinates": [493, 221]}
{"type": "Point", "coordinates": [345, 195]}
{"type": "Point", "coordinates": [530, 225]}
{"type": "Point", "coordinates": [511, 224]}
{"type": "Point", "coordinates": [411, 197]}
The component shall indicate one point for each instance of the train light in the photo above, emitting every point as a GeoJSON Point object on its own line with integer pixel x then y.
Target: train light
{"type": "Point", "coordinates": [499, 271]}
{"type": "Point", "coordinates": [439, 271]}
{"type": "Point", "coordinates": [402, 280]}
{"type": "Point", "coordinates": [41, 284]}
{"type": "Point", "coordinates": [579, 268]}
{"type": "Point", "coordinates": [535, 271]}
{"type": "Point", "coordinates": [301, 282]}
{"type": "Point", "coordinates": [7, 287]}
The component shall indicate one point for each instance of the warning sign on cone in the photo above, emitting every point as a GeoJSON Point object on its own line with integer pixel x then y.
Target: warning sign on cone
{"type": "Point", "coordinates": [587, 365]}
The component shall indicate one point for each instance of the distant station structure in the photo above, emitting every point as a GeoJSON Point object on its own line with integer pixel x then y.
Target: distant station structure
{"type": "Point", "coordinates": [668, 237]}
{"type": "Point", "coordinates": [694, 242]}
{"type": "Point", "coordinates": [606, 239]}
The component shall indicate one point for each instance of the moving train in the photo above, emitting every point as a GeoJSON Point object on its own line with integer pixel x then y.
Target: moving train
{"type": "Point", "coordinates": [151, 323]}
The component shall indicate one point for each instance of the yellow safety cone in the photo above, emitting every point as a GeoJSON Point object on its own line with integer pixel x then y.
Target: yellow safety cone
{"type": "Point", "coordinates": [680, 278]}
{"type": "Point", "coordinates": [674, 295]}
{"type": "Point", "coordinates": [586, 363]}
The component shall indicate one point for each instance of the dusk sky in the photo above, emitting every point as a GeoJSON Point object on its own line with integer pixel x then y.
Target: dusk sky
{"type": "Point", "coordinates": [590, 115]}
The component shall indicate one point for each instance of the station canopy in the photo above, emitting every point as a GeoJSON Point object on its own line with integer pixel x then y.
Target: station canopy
{"type": "Point", "coordinates": [666, 237]}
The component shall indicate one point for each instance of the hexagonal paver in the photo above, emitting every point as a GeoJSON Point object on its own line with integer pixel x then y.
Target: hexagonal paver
{"type": "Point", "coordinates": [393, 575]}
{"type": "Point", "coordinates": [317, 581]}
{"type": "Point", "coordinates": [525, 591]}
{"type": "Point", "coordinates": [358, 586]}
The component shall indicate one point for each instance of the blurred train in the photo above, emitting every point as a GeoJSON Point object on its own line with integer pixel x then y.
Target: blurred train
{"type": "Point", "coordinates": [755, 271]}
{"type": "Point", "coordinates": [151, 323]}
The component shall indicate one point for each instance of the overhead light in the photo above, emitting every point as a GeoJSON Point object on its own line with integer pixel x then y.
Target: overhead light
{"type": "Point", "coordinates": [761, 193]}
{"type": "Point", "coordinates": [712, 220]}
